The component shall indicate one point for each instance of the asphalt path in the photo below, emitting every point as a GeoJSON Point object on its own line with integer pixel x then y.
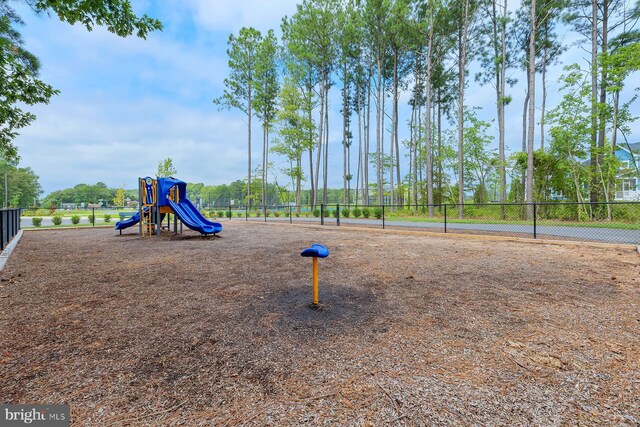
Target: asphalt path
{"type": "Point", "coordinates": [597, 234]}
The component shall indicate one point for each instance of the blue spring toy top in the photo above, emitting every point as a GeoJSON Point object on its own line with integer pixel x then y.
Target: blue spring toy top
{"type": "Point", "coordinates": [316, 250]}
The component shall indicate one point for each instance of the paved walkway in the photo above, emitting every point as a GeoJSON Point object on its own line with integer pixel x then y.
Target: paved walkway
{"type": "Point", "coordinates": [596, 234]}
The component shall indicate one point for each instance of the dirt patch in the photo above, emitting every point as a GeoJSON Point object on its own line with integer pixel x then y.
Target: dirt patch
{"type": "Point", "coordinates": [416, 330]}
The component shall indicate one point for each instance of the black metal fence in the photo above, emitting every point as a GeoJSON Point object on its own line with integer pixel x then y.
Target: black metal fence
{"type": "Point", "coordinates": [9, 225]}
{"type": "Point", "coordinates": [615, 222]}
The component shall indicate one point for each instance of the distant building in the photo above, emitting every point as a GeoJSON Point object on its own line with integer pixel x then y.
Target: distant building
{"type": "Point", "coordinates": [629, 187]}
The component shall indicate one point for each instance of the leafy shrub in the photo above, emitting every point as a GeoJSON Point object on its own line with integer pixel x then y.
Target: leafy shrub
{"type": "Point", "coordinates": [57, 220]}
{"type": "Point", "coordinates": [327, 213]}
{"type": "Point", "coordinates": [365, 212]}
{"type": "Point", "coordinates": [346, 213]}
{"type": "Point", "coordinates": [566, 212]}
{"type": "Point", "coordinates": [238, 214]}
{"type": "Point", "coordinates": [36, 221]}
{"type": "Point", "coordinates": [377, 212]}
{"type": "Point", "coordinates": [267, 213]}
{"type": "Point", "coordinates": [316, 213]}
{"type": "Point", "coordinates": [75, 219]}
{"type": "Point", "coordinates": [91, 218]}
{"type": "Point", "coordinates": [276, 214]}
{"type": "Point", "coordinates": [220, 214]}
{"type": "Point", "coordinates": [107, 218]}
{"type": "Point", "coordinates": [28, 212]}
{"type": "Point", "coordinates": [469, 211]}
{"type": "Point", "coordinates": [297, 214]}
{"type": "Point", "coordinates": [229, 214]}
{"type": "Point", "coordinates": [42, 212]}
{"type": "Point", "coordinates": [357, 212]}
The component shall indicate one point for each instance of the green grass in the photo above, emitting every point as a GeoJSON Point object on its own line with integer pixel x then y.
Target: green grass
{"type": "Point", "coordinates": [85, 212]}
{"type": "Point", "coordinates": [540, 222]}
{"type": "Point", "coordinates": [53, 227]}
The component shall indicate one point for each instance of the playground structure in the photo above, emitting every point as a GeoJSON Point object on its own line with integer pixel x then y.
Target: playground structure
{"type": "Point", "coordinates": [163, 197]}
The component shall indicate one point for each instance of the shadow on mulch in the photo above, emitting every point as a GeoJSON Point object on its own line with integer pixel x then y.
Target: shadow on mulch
{"type": "Point", "coordinates": [343, 310]}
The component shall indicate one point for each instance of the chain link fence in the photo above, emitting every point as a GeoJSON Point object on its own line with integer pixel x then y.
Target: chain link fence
{"type": "Point", "coordinates": [614, 222]}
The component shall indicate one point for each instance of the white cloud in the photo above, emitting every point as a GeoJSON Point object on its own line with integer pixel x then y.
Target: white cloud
{"type": "Point", "coordinates": [230, 16]}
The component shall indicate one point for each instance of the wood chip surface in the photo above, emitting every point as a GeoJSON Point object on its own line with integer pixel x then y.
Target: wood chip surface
{"type": "Point", "coordinates": [412, 330]}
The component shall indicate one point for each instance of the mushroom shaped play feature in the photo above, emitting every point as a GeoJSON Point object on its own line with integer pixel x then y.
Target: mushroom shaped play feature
{"type": "Point", "coordinates": [315, 251]}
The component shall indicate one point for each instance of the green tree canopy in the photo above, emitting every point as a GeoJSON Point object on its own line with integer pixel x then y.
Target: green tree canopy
{"type": "Point", "coordinates": [166, 168]}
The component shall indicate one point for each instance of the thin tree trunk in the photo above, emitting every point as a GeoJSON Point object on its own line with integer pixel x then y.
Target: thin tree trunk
{"type": "Point", "coordinates": [265, 167]}
{"type": "Point", "coordinates": [523, 178]}
{"type": "Point", "coordinates": [614, 131]}
{"type": "Point", "coordinates": [544, 82]}
{"type": "Point", "coordinates": [427, 118]}
{"type": "Point", "coordinates": [603, 99]}
{"type": "Point", "coordinates": [320, 142]}
{"type": "Point", "coordinates": [419, 155]}
{"type": "Point", "coordinates": [378, 131]}
{"type": "Point", "coordinates": [359, 170]}
{"type": "Point", "coordinates": [326, 145]}
{"type": "Point", "coordinates": [462, 53]}
{"type": "Point", "coordinates": [395, 136]}
{"type": "Point", "coordinates": [345, 112]}
{"type": "Point", "coordinates": [440, 172]}
{"type": "Point", "coordinates": [249, 114]}
{"type": "Point", "coordinates": [381, 169]}
{"type": "Point", "coordinates": [311, 174]}
{"type": "Point", "coordinates": [593, 190]}
{"type": "Point", "coordinates": [501, 106]}
{"type": "Point", "coordinates": [412, 157]}
{"type": "Point", "coordinates": [532, 100]}
{"type": "Point", "coordinates": [393, 125]}
{"type": "Point", "coordinates": [367, 139]}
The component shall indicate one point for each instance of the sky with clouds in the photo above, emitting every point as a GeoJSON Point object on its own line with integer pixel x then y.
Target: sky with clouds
{"type": "Point", "coordinates": [125, 104]}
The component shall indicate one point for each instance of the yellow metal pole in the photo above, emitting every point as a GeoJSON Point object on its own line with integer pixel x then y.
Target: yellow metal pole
{"type": "Point", "coordinates": [315, 280]}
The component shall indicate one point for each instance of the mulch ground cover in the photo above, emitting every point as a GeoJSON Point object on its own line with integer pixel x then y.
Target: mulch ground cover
{"type": "Point", "coordinates": [411, 330]}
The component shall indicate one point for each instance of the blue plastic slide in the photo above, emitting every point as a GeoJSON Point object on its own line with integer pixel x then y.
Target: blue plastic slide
{"type": "Point", "coordinates": [129, 222]}
{"type": "Point", "coordinates": [192, 218]}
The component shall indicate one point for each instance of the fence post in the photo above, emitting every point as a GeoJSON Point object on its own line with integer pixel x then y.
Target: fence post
{"type": "Point", "coordinates": [338, 214]}
{"type": "Point", "coordinates": [2, 229]}
{"type": "Point", "coordinates": [246, 212]}
{"type": "Point", "coordinates": [535, 225]}
{"type": "Point", "coordinates": [445, 218]}
{"type": "Point", "coordinates": [93, 217]}
{"type": "Point", "coordinates": [321, 213]}
{"type": "Point", "coordinates": [290, 219]}
{"type": "Point", "coordinates": [383, 217]}
{"type": "Point", "coordinates": [230, 214]}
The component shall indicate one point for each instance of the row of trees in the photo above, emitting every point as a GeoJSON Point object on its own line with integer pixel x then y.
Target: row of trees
{"type": "Point", "coordinates": [20, 186]}
{"type": "Point", "coordinates": [373, 51]}
{"type": "Point", "coordinates": [84, 194]}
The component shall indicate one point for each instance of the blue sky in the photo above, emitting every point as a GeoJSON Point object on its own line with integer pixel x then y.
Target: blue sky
{"type": "Point", "coordinates": [125, 104]}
